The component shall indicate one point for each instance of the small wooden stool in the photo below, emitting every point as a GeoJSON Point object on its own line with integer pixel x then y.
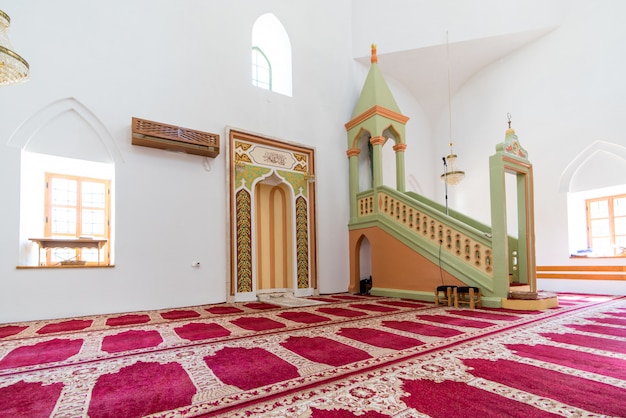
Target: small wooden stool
{"type": "Point", "coordinates": [448, 292]}
{"type": "Point", "coordinates": [467, 295]}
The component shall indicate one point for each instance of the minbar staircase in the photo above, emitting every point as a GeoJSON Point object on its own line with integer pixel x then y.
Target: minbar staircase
{"type": "Point", "coordinates": [455, 243]}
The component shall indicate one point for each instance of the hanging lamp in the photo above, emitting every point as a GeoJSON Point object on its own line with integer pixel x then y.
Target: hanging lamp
{"type": "Point", "coordinates": [451, 176]}
{"type": "Point", "coordinates": [13, 68]}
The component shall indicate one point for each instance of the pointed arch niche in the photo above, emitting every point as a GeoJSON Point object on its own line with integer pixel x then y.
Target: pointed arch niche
{"type": "Point", "coordinates": [64, 137]}
{"type": "Point", "coordinates": [272, 217]}
{"type": "Point", "coordinates": [271, 55]}
{"type": "Point", "coordinates": [598, 171]}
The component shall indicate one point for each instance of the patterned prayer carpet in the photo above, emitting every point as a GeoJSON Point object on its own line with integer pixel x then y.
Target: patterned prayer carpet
{"type": "Point", "coordinates": [352, 356]}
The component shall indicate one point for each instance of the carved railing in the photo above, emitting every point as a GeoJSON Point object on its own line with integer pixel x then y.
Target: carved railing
{"type": "Point", "coordinates": [462, 245]}
{"type": "Point", "coordinates": [365, 203]}
{"type": "Point", "coordinates": [463, 242]}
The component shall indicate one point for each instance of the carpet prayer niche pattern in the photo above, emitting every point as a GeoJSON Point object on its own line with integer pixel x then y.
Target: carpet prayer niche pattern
{"type": "Point", "coordinates": [352, 356]}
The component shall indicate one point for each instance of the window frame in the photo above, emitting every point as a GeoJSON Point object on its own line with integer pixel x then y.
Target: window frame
{"type": "Point", "coordinates": [256, 51]}
{"type": "Point", "coordinates": [611, 220]}
{"type": "Point", "coordinates": [105, 252]}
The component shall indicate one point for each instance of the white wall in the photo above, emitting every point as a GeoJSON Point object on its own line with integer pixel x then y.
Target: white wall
{"type": "Point", "coordinates": [564, 92]}
{"type": "Point", "coordinates": [185, 64]}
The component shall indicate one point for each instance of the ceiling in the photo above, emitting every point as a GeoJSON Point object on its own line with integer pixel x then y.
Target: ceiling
{"type": "Point", "coordinates": [424, 71]}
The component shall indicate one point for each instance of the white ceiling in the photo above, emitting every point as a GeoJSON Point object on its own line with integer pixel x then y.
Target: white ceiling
{"type": "Point", "coordinates": [424, 71]}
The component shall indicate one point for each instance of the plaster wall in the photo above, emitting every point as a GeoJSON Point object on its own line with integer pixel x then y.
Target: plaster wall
{"type": "Point", "coordinates": [564, 91]}
{"type": "Point", "coordinates": [185, 64]}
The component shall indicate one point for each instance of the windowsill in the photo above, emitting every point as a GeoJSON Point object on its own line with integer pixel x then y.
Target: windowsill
{"type": "Point", "coordinates": [65, 267]}
{"type": "Point", "coordinates": [594, 257]}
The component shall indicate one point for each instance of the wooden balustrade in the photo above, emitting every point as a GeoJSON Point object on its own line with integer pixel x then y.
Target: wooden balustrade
{"type": "Point", "coordinates": [452, 240]}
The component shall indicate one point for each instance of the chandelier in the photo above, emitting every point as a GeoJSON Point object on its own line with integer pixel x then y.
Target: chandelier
{"type": "Point", "coordinates": [13, 68]}
{"type": "Point", "coordinates": [451, 175]}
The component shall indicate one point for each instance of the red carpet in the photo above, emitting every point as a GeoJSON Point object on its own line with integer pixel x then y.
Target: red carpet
{"type": "Point", "coordinates": [348, 313]}
{"type": "Point", "coordinates": [29, 399]}
{"type": "Point", "coordinates": [180, 314]}
{"type": "Point", "coordinates": [260, 305]}
{"type": "Point", "coordinates": [459, 322]}
{"type": "Point", "coordinates": [373, 307]}
{"type": "Point", "coordinates": [141, 389]}
{"type": "Point", "coordinates": [223, 310]}
{"type": "Point", "coordinates": [379, 338]}
{"type": "Point", "coordinates": [348, 297]}
{"type": "Point", "coordinates": [324, 350]}
{"type": "Point", "coordinates": [249, 368]}
{"type": "Point", "coordinates": [131, 340]}
{"type": "Point", "coordinates": [357, 355]}
{"type": "Point", "coordinates": [9, 330]}
{"type": "Point", "coordinates": [600, 329]}
{"type": "Point", "coordinates": [598, 397]}
{"type": "Point", "coordinates": [304, 317]}
{"type": "Point", "coordinates": [485, 315]}
{"type": "Point", "coordinates": [592, 363]}
{"type": "Point", "coordinates": [44, 352]}
{"type": "Point", "coordinates": [456, 399]}
{"type": "Point", "coordinates": [598, 343]}
{"type": "Point", "coordinates": [128, 320]}
{"type": "Point", "coordinates": [258, 324]}
{"type": "Point", "coordinates": [199, 331]}
{"type": "Point", "coordinates": [402, 304]}
{"type": "Point", "coordinates": [610, 321]}
{"type": "Point", "coordinates": [65, 326]}
{"type": "Point", "coordinates": [423, 329]}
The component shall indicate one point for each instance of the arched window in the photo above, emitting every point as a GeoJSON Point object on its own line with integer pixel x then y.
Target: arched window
{"type": "Point", "coordinates": [595, 182]}
{"type": "Point", "coordinates": [67, 187]}
{"type": "Point", "coordinates": [261, 69]}
{"type": "Point", "coordinates": [271, 55]}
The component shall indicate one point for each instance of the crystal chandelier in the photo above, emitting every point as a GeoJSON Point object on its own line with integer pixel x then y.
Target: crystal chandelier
{"type": "Point", "coordinates": [13, 68]}
{"type": "Point", "coordinates": [451, 175]}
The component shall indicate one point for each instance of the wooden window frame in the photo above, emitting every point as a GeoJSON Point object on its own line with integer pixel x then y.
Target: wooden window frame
{"type": "Point", "coordinates": [105, 252]}
{"type": "Point", "coordinates": [611, 218]}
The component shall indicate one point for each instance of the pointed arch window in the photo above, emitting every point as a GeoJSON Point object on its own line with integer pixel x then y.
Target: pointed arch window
{"type": "Point", "coordinates": [271, 55]}
{"type": "Point", "coordinates": [595, 182]}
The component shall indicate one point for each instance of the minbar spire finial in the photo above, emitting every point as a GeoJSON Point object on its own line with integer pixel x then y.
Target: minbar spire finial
{"type": "Point", "coordinates": [510, 130]}
{"type": "Point", "coordinates": [374, 56]}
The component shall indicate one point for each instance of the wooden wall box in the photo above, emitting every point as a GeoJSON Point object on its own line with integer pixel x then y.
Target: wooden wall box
{"type": "Point", "coordinates": [174, 138]}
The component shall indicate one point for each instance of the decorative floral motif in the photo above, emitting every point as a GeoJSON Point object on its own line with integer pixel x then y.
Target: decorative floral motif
{"type": "Point", "coordinates": [244, 242]}
{"type": "Point", "coordinates": [302, 242]}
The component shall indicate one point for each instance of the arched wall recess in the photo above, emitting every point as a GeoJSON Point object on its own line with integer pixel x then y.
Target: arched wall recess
{"type": "Point", "coordinates": [272, 217]}
{"type": "Point", "coordinates": [69, 129]}
{"type": "Point", "coordinates": [601, 164]}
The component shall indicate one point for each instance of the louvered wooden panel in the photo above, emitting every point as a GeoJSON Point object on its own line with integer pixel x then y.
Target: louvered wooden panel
{"type": "Point", "coordinates": [174, 138]}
